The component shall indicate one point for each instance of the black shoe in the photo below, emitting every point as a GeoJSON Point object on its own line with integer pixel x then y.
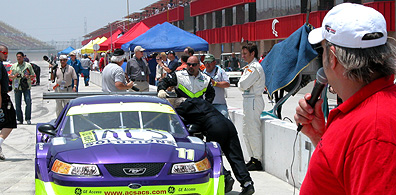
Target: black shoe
{"type": "Point", "coordinates": [254, 165]}
{"type": "Point", "coordinates": [228, 183]}
{"type": "Point", "coordinates": [247, 188]}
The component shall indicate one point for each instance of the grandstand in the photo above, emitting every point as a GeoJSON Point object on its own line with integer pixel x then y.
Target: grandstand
{"type": "Point", "coordinates": [17, 40]}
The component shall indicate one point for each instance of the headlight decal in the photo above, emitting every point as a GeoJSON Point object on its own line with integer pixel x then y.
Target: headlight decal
{"type": "Point", "coordinates": [75, 169]}
{"type": "Point", "coordinates": [192, 167]}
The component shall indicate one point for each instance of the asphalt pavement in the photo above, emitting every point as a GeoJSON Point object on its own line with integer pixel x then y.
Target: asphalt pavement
{"type": "Point", "coordinates": [17, 171]}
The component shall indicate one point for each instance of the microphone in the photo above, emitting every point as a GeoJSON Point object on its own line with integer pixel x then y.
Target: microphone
{"type": "Point", "coordinates": [321, 81]}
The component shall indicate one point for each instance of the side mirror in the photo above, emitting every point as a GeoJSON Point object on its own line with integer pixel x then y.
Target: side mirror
{"type": "Point", "coordinates": [47, 129]}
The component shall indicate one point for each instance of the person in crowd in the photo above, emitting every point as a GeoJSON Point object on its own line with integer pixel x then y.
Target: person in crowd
{"type": "Point", "coordinates": [160, 73]}
{"type": "Point", "coordinates": [95, 66]}
{"type": "Point", "coordinates": [8, 120]}
{"type": "Point", "coordinates": [64, 77]}
{"type": "Point", "coordinates": [190, 83]}
{"type": "Point", "coordinates": [113, 77]}
{"type": "Point", "coordinates": [220, 81]}
{"type": "Point", "coordinates": [26, 59]}
{"type": "Point", "coordinates": [189, 51]}
{"type": "Point", "coordinates": [165, 62]}
{"type": "Point", "coordinates": [86, 64]}
{"type": "Point", "coordinates": [173, 63]}
{"type": "Point", "coordinates": [21, 75]}
{"type": "Point", "coordinates": [102, 61]}
{"type": "Point", "coordinates": [355, 148]}
{"type": "Point", "coordinates": [37, 71]}
{"type": "Point", "coordinates": [252, 84]}
{"type": "Point", "coordinates": [234, 63]}
{"type": "Point", "coordinates": [76, 64]}
{"type": "Point", "coordinates": [152, 64]}
{"type": "Point", "coordinates": [137, 70]}
{"type": "Point", "coordinates": [201, 116]}
{"type": "Point", "coordinates": [183, 60]}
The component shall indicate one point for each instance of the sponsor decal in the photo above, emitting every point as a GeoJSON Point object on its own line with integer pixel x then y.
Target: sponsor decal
{"type": "Point", "coordinates": [125, 136]}
{"type": "Point", "coordinates": [120, 107]}
{"type": "Point", "coordinates": [77, 191]}
{"type": "Point", "coordinates": [187, 189]}
{"type": "Point", "coordinates": [329, 29]}
{"type": "Point", "coordinates": [171, 189]}
{"type": "Point", "coordinates": [274, 22]}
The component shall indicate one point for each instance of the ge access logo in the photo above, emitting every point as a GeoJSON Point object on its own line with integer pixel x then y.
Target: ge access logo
{"type": "Point", "coordinates": [78, 191]}
{"type": "Point", "coordinates": [171, 190]}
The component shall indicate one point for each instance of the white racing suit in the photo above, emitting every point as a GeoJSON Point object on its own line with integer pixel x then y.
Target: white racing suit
{"type": "Point", "coordinates": [252, 83]}
{"type": "Point", "coordinates": [189, 86]}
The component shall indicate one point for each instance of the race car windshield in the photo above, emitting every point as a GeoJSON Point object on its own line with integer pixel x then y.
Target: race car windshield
{"type": "Point", "coordinates": [130, 116]}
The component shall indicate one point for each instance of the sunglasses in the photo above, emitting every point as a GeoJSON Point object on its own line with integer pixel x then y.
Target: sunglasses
{"type": "Point", "coordinates": [192, 64]}
{"type": "Point", "coordinates": [63, 60]}
{"type": "Point", "coordinates": [3, 52]}
{"type": "Point", "coordinates": [157, 59]}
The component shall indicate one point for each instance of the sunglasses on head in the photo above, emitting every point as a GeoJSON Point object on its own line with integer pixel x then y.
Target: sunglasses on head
{"type": "Point", "coordinates": [3, 52]}
{"type": "Point", "coordinates": [192, 64]}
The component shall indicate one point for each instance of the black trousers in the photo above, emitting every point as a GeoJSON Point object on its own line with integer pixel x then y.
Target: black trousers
{"type": "Point", "coordinates": [224, 132]}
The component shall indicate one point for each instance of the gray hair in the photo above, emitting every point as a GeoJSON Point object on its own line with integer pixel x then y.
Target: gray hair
{"type": "Point", "coordinates": [366, 65]}
{"type": "Point", "coordinates": [117, 59]}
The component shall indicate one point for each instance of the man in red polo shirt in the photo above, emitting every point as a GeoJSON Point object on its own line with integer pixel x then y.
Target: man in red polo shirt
{"type": "Point", "coordinates": [356, 149]}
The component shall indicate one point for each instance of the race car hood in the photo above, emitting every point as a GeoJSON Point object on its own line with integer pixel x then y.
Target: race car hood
{"type": "Point", "coordinates": [123, 146]}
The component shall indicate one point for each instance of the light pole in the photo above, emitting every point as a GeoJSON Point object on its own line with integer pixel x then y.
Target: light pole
{"type": "Point", "coordinates": [127, 15]}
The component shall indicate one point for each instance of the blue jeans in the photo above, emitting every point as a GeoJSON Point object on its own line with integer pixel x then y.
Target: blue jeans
{"type": "Point", "coordinates": [222, 108]}
{"type": "Point", "coordinates": [18, 102]}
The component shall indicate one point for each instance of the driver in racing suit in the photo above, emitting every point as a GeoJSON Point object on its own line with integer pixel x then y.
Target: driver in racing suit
{"type": "Point", "coordinates": [252, 83]}
{"type": "Point", "coordinates": [190, 83]}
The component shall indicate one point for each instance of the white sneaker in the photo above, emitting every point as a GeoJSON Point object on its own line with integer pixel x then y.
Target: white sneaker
{"type": "Point", "coordinates": [2, 157]}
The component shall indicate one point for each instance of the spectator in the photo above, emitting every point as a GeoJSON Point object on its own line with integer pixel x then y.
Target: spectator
{"type": "Point", "coordinates": [102, 62]}
{"type": "Point", "coordinates": [355, 148]}
{"type": "Point", "coordinates": [173, 64]}
{"type": "Point", "coordinates": [203, 117]}
{"type": "Point", "coordinates": [95, 65]}
{"type": "Point", "coordinates": [137, 70]}
{"type": "Point", "coordinates": [234, 63]}
{"type": "Point", "coordinates": [8, 121]}
{"type": "Point", "coordinates": [21, 75]}
{"type": "Point", "coordinates": [183, 60]}
{"type": "Point", "coordinates": [36, 70]}
{"type": "Point", "coordinates": [160, 73]}
{"type": "Point", "coordinates": [165, 61]}
{"type": "Point", "coordinates": [252, 83]}
{"type": "Point", "coordinates": [152, 63]}
{"type": "Point", "coordinates": [64, 76]}
{"type": "Point", "coordinates": [220, 81]}
{"type": "Point", "coordinates": [76, 64]}
{"type": "Point", "coordinates": [26, 59]}
{"type": "Point", "coordinates": [190, 51]}
{"type": "Point", "coordinates": [190, 83]}
{"type": "Point", "coordinates": [113, 77]}
{"type": "Point", "coordinates": [86, 64]}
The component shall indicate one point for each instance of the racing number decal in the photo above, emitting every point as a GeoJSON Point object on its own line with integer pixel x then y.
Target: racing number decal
{"type": "Point", "coordinates": [186, 153]}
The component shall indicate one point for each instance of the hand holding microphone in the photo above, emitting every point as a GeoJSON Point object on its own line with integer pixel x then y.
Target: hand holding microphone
{"type": "Point", "coordinates": [321, 81]}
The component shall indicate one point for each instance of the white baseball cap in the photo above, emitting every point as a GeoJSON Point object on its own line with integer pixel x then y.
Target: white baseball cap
{"type": "Point", "coordinates": [138, 48]}
{"type": "Point", "coordinates": [62, 57]}
{"type": "Point", "coordinates": [346, 24]}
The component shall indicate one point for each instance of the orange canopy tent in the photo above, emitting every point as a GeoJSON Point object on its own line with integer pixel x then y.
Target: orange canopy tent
{"type": "Point", "coordinates": [134, 32]}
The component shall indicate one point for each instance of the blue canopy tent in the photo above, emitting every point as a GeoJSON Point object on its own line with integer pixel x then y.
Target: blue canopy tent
{"type": "Point", "coordinates": [166, 37]}
{"type": "Point", "coordinates": [66, 51]}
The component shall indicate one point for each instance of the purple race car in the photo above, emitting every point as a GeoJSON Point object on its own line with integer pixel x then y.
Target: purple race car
{"type": "Point", "coordinates": [126, 145]}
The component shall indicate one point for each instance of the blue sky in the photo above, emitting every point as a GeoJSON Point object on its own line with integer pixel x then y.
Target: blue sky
{"type": "Point", "coordinates": [57, 20]}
